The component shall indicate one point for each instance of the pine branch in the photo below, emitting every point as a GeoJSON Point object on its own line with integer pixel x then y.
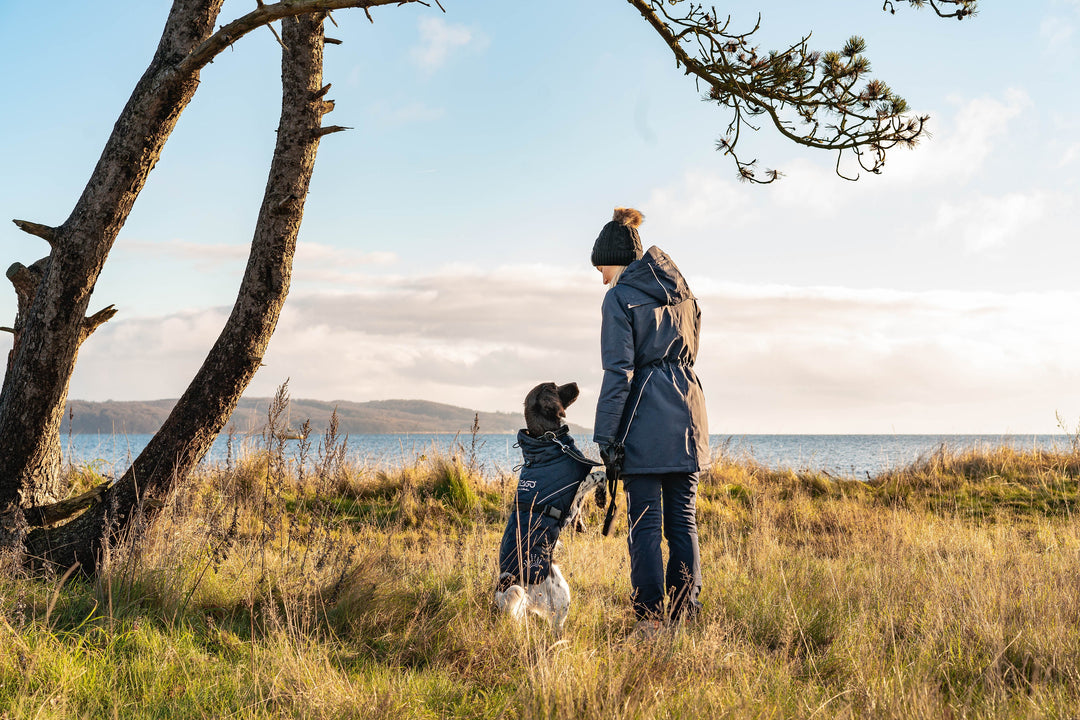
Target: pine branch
{"type": "Point", "coordinates": [823, 101]}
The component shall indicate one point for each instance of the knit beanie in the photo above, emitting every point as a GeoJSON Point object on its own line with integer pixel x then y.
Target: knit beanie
{"type": "Point", "coordinates": [619, 243]}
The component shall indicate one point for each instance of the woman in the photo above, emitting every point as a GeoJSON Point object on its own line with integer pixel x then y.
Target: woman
{"type": "Point", "coordinates": [651, 415]}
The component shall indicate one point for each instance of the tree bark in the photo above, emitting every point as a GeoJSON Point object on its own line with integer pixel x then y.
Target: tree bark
{"type": "Point", "coordinates": [43, 485]}
{"type": "Point", "coordinates": [35, 388]}
{"type": "Point", "coordinates": [211, 397]}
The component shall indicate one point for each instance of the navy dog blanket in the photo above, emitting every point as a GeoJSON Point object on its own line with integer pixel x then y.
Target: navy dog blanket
{"type": "Point", "coordinates": [552, 471]}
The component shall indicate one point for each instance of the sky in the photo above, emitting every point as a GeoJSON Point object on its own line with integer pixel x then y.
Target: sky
{"type": "Point", "coordinates": [444, 253]}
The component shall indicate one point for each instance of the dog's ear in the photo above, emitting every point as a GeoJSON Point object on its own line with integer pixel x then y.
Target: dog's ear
{"type": "Point", "coordinates": [568, 393]}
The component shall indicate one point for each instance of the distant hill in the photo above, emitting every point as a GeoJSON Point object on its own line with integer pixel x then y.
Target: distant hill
{"type": "Point", "coordinates": [356, 418]}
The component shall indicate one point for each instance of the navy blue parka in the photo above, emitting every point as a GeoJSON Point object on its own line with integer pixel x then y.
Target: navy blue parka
{"type": "Point", "coordinates": [651, 400]}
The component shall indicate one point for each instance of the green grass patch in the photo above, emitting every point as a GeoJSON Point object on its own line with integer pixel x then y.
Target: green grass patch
{"type": "Point", "coordinates": [948, 588]}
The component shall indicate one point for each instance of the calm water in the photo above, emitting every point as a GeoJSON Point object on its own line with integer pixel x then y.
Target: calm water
{"type": "Point", "coordinates": [846, 455]}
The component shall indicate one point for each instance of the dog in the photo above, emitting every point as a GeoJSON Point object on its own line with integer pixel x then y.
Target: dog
{"type": "Point", "coordinates": [554, 482]}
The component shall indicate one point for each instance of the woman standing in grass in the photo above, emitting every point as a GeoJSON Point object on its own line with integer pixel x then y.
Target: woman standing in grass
{"type": "Point", "coordinates": [650, 418]}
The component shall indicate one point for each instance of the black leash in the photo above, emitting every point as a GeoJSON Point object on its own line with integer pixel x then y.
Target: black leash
{"type": "Point", "coordinates": [612, 506]}
{"type": "Point", "coordinates": [613, 469]}
{"type": "Point", "coordinates": [572, 452]}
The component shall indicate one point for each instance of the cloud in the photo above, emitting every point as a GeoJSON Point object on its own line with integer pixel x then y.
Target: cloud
{"type": "Point", "coordinates": [314, 262]}
{"type": "Point", "coordinates": [774, 358]}
{"type": "Point", "coordinates": [313, 253]}
{"type": "Point", "coordinates": [840, 360]}
{"type": "Point", "coordinates": [438, 39]}
{"type": "Point", "coordinates": [700, 202]}
{"type": "Point", "coordinates": [985, 222]}
{"type": "Point", "coordinates": [1058, 29]}
{"type": "Point", "coordinates": [935, 198]}
{"type": "Point", "coordinates": [1057, 34]}
{"type": "Point", "coordinates": [146, 358]}
{"type": "Point", "coordinates": [1070, 154]}
{"type": "Point", "coordinates": [398, 115]}
{"type": "Point", "coordinates": [327, 265]}
{"type": "Point", "coordinates": [958, 146]}
{"type": "Point", "coordinates": [460, 306]}
{"type": "Point", "coordinates": [201, 256]}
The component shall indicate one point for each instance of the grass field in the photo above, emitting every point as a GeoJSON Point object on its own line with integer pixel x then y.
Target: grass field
{"type": "Point", "coordinates": [947, 589]}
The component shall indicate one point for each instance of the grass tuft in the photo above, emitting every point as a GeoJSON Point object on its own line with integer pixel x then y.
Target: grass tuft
{"type": "Point", "coordinates": [948, 588]}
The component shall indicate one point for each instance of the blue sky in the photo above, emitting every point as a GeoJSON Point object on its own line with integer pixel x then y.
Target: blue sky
{"type": "Point", "coordinates": [444, 252]}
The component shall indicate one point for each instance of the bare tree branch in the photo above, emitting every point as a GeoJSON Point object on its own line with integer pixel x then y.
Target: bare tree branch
{"type": "Point", "coordinates": [55, 512]}
{"type": "Point", "coordinates": [24, 280]}
{"type": "Point", "coordinates": [96, 320]}
{"type": "Point", "coordinates": [276, 36]}
{"type": "Point", "coordinates": [329, 129]}
{"type": "Point", "coordinates": [46, 233]}
{"type": "Point", "coordinates": [264, 15]}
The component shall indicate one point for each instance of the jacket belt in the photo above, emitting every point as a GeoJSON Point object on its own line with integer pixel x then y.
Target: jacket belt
{"type": "Point", "coordinates": [669, 361]}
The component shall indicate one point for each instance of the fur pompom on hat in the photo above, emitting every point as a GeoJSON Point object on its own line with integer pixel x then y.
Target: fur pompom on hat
{"type": "Point", "coordinates": [619, 243]}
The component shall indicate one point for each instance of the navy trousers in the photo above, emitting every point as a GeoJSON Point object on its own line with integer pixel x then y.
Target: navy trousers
{"type": "Point", "coordinates": [663, 505]}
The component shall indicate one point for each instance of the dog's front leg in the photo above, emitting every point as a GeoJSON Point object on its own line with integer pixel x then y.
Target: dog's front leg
{"type": "Point", "coordinates": [595, 479]}
{"type": "Point", "coordinates": [558, 599]}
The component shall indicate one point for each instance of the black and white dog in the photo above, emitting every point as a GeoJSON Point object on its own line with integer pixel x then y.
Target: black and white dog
{"type": "Point", "coordinates": [554, 482]}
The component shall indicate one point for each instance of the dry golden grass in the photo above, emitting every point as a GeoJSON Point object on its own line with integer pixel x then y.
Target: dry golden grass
{"type": "Point", "coordinates": [950, 588]}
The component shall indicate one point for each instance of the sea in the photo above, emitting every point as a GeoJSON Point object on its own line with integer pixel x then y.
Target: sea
{"type": "Point", "coordinates": [850, 456]}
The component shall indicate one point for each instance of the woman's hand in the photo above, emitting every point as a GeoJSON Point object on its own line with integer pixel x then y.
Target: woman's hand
{"type": "Point", "coordinates": [612, 455]}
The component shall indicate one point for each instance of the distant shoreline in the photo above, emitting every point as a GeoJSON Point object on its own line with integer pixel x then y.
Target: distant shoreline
{"type": "Point", "coordinates": [373, 417]}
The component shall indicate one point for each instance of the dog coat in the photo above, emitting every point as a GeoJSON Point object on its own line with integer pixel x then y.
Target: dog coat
{"type": "Point", "coordinates": [552, 470]}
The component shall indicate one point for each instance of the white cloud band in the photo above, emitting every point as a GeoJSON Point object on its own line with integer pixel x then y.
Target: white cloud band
{"type": "Point", "coordinates": [773, 358]}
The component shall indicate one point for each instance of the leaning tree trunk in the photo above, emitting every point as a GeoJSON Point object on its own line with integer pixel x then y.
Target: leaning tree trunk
{"type": "Point", "coordinates": [36, 385]}
{"type": "Point", "coordinates": [44, 481]}
{"type": "Point", "coordinates": [205, 407]}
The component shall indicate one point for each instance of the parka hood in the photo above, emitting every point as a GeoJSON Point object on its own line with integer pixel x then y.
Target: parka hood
{"type": "Point", "coordinates": [658, 277]}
